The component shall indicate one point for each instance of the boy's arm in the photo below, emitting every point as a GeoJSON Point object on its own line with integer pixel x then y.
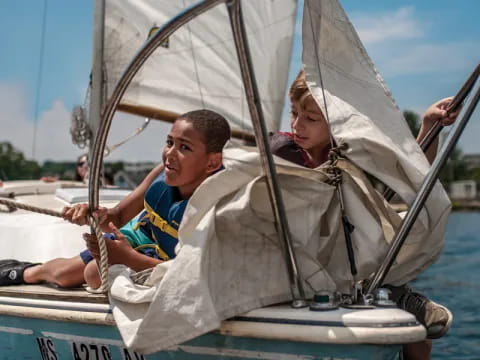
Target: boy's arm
{"type": "Point", "coordinates": [123, 212]}
{"type": "Point", "coordinates": [120, 251]}
{"type": "Point", "coordinates": [131, 205]}
{"type": "Point", "coordinates": [138, 261]}
{"type": "Point", "coordinates": [436, 112]}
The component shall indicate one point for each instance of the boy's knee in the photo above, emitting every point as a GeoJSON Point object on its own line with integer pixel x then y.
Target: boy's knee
{"type": "Point", "coordinates": [91, 275]}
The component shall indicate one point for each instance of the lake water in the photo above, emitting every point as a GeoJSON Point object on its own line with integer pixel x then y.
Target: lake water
{"type": "Point", "coordinates": [454, 281]}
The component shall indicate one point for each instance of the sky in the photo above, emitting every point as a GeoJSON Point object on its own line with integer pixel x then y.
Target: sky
{"type": "Point", "coordinates": [424, 50]}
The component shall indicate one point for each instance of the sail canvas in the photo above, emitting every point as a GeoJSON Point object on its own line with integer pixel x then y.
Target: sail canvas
{"type": "Point", "coordinates": [362, 114]}
{"type": "Point", "coordinates": [197, 67]}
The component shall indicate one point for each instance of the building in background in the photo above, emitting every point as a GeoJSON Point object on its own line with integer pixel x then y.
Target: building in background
{"type": "Point", "coordinates": [463, 190]}
{"type": "Point", "coordinates": [472, 161]}
{"type": "Point", "coordinates": [132, 174]}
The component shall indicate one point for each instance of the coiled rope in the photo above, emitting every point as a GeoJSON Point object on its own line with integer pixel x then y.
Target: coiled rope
{"type": "Point", "coordinates": [94, 225]}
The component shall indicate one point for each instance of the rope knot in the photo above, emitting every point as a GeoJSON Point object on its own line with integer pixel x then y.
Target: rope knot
{"type": "Point", "coordinates": [334, 173]}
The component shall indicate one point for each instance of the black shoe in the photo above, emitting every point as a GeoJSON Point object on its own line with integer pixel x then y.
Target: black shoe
{"type": "Point", "coordinates": [8, 261]}
{"type": "Point", "coordinates": [11, 272]}
{"type": "Point", "coordinates": [436, 318]}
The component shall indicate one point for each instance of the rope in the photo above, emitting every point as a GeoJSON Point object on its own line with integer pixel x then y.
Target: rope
{"type": "Point", "coordinates": [95, 228]}
{"type": "Point", "coordinates": [102, 263]}
{"type": "Point", "coordinates": [110, 148]}
{"type": "Point", "coordinates": [334, 173]}
{"type": "Point", "coordinates": [16, 205]}
{"type": "Point", "coordinates": [317, 57]}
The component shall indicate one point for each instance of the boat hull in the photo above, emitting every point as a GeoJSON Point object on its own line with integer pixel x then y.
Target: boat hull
{"type": "Point", "coordinates": [30, 338]}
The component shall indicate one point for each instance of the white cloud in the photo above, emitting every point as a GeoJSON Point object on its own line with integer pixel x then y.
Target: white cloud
{"type": "Point", "coordinates": [386, 26]}
{"type": "Point", "coordinates": [53, 136]}
{"type": "Point", "coordinates": [16, 127]}
{"type": "Point", "coordinates": [427, 58]}
{"type": "Point", "coordinates": [400, 44]}
{"type": "Point", "coordinates": [53, 141]}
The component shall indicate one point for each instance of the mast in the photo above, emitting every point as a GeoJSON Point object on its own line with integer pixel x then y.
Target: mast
{"type": "Point", "coordinates": [97, 83]}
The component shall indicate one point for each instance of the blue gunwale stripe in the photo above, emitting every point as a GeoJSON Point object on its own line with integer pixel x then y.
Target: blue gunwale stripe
{"type": "Point", "coordinates": [321, 322]}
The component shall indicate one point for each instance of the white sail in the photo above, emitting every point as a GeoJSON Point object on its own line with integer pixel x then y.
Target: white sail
{"type": "Point", "coordinates": [198, 67]}
{"type": "Point", "coordinates": [363, 114]}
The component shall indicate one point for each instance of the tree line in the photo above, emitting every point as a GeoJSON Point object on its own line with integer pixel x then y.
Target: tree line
{"type": "Point", "coordinates": [456, 168]}
{"type": "Point", "coordinates": [14, 166]}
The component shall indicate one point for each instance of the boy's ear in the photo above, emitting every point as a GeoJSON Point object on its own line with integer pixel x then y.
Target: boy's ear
{"type": "Point", "coordinates": [214, 162]}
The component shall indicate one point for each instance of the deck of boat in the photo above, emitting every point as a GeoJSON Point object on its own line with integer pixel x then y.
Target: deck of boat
{"type": "Point", "coordinates": [50, 292]}
{"type": "Point", "coordinates": [57, 304]}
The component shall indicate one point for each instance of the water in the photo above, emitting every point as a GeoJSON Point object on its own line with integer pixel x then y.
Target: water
{"type": "Point", "coordinates": [455, 282]}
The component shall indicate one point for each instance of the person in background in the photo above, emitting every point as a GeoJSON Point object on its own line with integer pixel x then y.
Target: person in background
{"type": "Point", "coordinates": [81, 168]}
{"type": "Point", "coordinates": [81, 171]}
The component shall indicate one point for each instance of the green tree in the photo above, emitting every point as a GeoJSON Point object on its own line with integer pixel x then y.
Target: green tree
{"type": "Point", "coordinates": [413, 121]}
{"type": "Point", "coordinates": [474, 174]}
{"type": "Point", "coordinates": [114, 167]}
{"type": "Point", "coordinates": [14, 166]}
{"type": "Point", "coordinates": [64, 169]}
{"type": "Point", "coordinates": [455, 168]}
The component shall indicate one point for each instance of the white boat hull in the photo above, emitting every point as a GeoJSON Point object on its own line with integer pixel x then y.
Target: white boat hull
{"type": "Point", "coordinates": [52, 329]}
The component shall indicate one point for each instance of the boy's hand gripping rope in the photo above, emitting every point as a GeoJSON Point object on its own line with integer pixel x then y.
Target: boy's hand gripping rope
{"type": "Point", "coordinates": [94, 226]}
